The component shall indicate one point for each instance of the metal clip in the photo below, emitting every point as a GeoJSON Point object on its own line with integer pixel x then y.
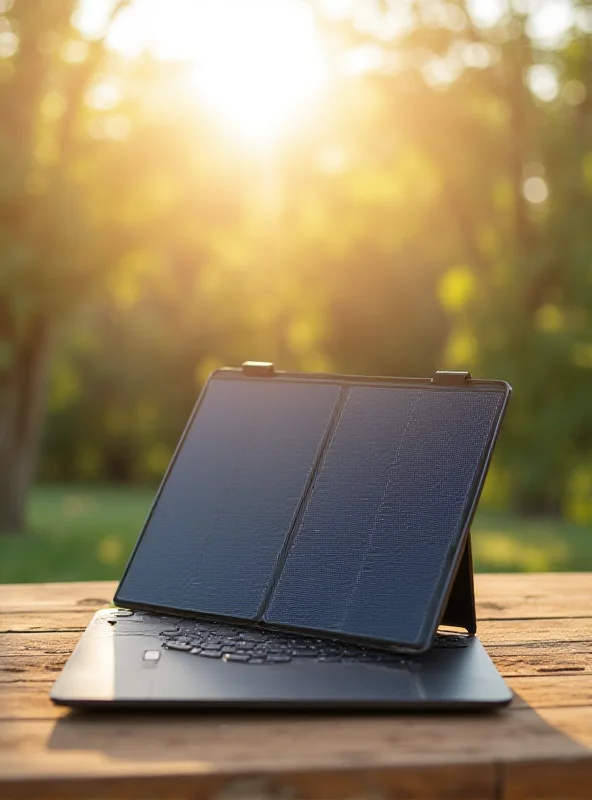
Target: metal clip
{"type": "Point", "coordinates": [258, 369]}
{"type": "Point", "coordinates": [447, 378]}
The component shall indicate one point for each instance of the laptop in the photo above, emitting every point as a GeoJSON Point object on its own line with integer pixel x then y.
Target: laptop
{"type": "Point", "coordinates": [309, 546]}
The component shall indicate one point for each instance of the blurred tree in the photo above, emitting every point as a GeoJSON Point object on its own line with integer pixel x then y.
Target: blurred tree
{"type": "Point", "coordinates": [432, 213]}
{"type": "Point", "coordinates": [498, 113]}
{"type": "Point", "coordinates": [45, 69]}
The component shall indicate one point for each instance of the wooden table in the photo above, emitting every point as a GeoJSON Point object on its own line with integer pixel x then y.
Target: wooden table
{"type": "Point", "coordinates": [537, 628]}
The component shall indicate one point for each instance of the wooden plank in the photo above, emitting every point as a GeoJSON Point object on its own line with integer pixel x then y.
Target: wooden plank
{"type": "Point", "coordinates": [56, 596]}
{"type": "Point", "coordinates": [520, 752]}
{"type": "Point", "coordinates": [535, 631]}
{"type": "Point", "coordinates": [475, 782]}
{"type": "Point", "coordinates": [544, 691]}
{"type": "Point", "coordinates": [39, 621]}
{"type": "Point", "coordinates": [16, 644]}
{"type": "Point", "coordinates": [31, 667]}
{"type": "Point", "coordinates": [533, 595]}
{"type": "Point", "coordinates": [28, 700]}
{"type": "Point", "coordinates": [99, 747]}
{"type": "Point", "coordinates": [530, 662]}
{"type": "Point", "coordinates": [39, 669]}
{"type": "Point", "coordinates": [546, 781]}
{"type": "Point", "coordinates": [519, 596]}
{"type": "Point", "coordinates": [43, 656]}
{"type": "Point", "coordinates": [40, 656]}
{"type": "Point", "coordinates": [323, 739]}
{"type": "Point", "coordinates": [552, 659]}
{"type": "Point", "coordinates": [491, 632]}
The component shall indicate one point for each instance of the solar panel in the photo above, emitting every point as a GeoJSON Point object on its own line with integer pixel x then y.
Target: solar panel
{"type": "Point", "coordinates": [216, 531]}
{"type": "Point", "coordinates": [325, 504]}
{"type": "Point", "coordinates": [385, 512]}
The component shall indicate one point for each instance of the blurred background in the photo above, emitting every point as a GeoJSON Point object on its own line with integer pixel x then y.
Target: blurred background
{"type": "Point", "coordinates": [379, 187]}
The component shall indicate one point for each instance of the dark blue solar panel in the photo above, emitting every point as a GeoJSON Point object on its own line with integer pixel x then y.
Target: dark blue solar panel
{"type": "Point", "coordinates": [385, 511]}
{"type": "Point", "coordinates": [215, 534]}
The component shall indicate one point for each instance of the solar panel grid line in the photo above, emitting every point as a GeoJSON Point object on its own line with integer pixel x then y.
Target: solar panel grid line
{"type": "Point", "coordinates": [324, 444]}
{"type": "Point", "coordinates": [347, 489]}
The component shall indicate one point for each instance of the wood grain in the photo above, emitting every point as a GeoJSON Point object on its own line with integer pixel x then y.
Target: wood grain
{"type": "Point", "coordinates": [56, 596]}
{"type": "Point", "coordinates": [41, 655]}
{"type": "Point", "coordinates": [519, 596]}
{"type": "Point", "coordinates": [537, 628]}
{"type": "Point", "coordinates": [533, 596]}
{"type": "Point", "coordinates": [119, 747]}
{"type": "Point", "coordinates": [492, 632]}
{"type": "Point", "coordinates": [350, 783]}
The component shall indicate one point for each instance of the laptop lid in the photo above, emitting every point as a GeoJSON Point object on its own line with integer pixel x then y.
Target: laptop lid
{"type": "Point", "coordinates": [326, 504]}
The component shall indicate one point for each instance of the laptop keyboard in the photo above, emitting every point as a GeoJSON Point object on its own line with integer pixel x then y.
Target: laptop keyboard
{"type": "Point", "coordinates": [253, 646]}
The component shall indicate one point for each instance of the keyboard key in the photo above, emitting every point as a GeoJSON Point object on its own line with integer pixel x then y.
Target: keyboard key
{"type": "Point", "coordinates": [151, 655]}
{"type": "Point", "coordinates": [215, 640]}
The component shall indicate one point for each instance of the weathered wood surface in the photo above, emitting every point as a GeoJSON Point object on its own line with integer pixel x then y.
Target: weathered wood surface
{"type": "Point", "coordinates": [537, 628]}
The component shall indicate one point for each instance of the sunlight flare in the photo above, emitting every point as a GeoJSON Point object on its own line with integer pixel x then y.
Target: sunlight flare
{"type": "Point", "coordinates": [259, 65]}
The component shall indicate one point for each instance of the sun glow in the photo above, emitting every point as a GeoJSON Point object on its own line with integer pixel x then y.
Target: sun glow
{"type": "Point", "coordinates": [258, 66]}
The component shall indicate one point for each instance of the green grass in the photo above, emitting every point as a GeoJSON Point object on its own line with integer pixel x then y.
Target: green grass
{"type": "Point", "coordinates": [87, 533]}
{"type": "Point", "coordinates": [503, 543]}
{"type": "Point", "coordinates": [76, 533]}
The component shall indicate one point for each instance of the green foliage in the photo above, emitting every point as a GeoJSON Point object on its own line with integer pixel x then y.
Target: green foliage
{"type": "Point", "coordinates": [39, 209]}
{"type": "Point", "coordinates": [435, 213]}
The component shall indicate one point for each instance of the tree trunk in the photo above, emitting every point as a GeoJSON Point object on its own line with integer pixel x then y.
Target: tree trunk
{"type": "Point", "coordinates": [22, 406]}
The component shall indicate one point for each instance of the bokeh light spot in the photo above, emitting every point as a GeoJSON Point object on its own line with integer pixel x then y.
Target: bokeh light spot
{"type": "Point", "coordinates": [535, 189]}
{"type": "Point", "coordinates": [109, 550]}
{"type": "Point", "coordinates": [549, 319]}
{"type": "Point", "coordinates": [542, 82]}
{"type": "Point", "coordinates": [456, 288]}
{"type": "Point", "coordinates": [8, 44]}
